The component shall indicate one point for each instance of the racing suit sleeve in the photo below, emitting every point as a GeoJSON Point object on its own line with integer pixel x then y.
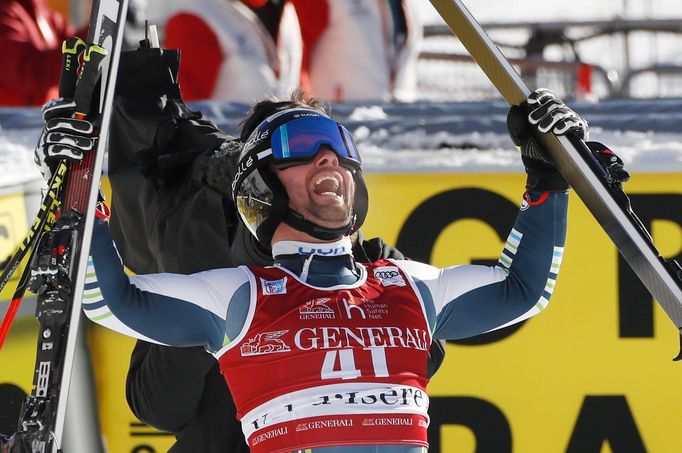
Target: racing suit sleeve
{"type": "Point", "coordinates": [468, 300]}
{"type": "Point", "coordinates": [169, 309]}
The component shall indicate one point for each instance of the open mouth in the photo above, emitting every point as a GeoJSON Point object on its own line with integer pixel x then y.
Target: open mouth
{"type": "Point", "coordinates": [327, 185]}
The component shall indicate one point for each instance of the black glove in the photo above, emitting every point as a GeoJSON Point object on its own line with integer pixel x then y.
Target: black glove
{"type": "Point", "coordinates": [63, 137]}
{"type": "Point", "coordinates": [616, 173]}
{"type": "Point", "coordinates": [547, 114]}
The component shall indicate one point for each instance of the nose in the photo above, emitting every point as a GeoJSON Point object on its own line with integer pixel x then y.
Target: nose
{"type": "Point", "coordinates": [326, 157]}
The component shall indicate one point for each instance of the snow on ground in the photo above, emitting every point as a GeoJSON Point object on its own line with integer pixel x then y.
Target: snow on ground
{"type": "Point", "coordinates": [16, 158]}
{"type": "Point", "coordinates": [441, 137]}
{"type": "Point", "coordinates": [641, 151]}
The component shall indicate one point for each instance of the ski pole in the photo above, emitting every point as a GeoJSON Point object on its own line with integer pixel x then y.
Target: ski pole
{"type": "Point", "coordinates": [43, 221]}
{"type": "Point", "coordinates": [48, 208]}
{"type": "Point", "coordinates": [14, 305]}
{"type": "Point", "coordinates": [71, 49]}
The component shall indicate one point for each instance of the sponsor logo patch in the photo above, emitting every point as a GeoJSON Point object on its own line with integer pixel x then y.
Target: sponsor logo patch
{"type": "Point", "coordinates": [265, 343]}
{"type": "Point", "coordinates": [317, 309]}
{"type": "Point", "coordinates": [389, 276]}
{"type": "Point", "coordinates": [332, 423]}
{"type": "Point", "coordinates": [333, 251]}
{"type": "Point", "coordinates": [386, 421]}
{"type": "Point", "coordinates": [269, 435]}
{"type": "Point", "coordinates": [272, 287]}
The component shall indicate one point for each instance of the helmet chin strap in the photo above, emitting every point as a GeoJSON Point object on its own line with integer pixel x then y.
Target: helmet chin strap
{"type": "Point", "coordinates": [297, 222]}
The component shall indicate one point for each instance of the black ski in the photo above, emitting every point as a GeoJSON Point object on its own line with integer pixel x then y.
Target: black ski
{"type": "Point", "coordinates": [62, 252]}
{"type": "Point", "coordinates": [607, 202]}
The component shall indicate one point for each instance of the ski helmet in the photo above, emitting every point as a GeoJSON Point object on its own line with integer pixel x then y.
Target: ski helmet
{"type": "Point", "coordinates": [287, 138]}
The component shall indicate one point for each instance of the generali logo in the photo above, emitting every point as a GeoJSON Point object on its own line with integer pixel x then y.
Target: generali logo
{"type": "Point", "coordinates": [318, 308]}
{"type": "Point", "coordinates": [265, 343]}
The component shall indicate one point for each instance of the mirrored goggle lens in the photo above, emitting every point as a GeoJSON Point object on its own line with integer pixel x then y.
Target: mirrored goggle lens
{"type": "Point", "coordinates": [252, 211]}
{"type": "Point", "coordinates": [300, 140]}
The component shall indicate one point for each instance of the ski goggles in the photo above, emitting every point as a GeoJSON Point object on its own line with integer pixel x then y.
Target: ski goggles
{"type": "Point", "coordinates": [298, 142]}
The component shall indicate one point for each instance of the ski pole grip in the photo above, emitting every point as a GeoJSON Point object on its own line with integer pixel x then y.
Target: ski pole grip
{"type": "Point", "coordinates": [71, 48]}
{"type": "Point", "coordinates": [90, 74]}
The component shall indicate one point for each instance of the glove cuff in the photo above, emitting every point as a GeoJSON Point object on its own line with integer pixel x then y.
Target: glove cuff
{"type": "Point", "coordinates": [543, 177]}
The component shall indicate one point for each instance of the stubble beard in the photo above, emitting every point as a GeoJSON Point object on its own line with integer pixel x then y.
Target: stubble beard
{"type": "Point", "coordinates": [330, 216]}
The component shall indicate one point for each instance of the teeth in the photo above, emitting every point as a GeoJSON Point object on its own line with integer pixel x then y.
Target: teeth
{"type": "Point", "coordinates": [327, 185]}
{"type": "Point", "coordinates": [325, 178]}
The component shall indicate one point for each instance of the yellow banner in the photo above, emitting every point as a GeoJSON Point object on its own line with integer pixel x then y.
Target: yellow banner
{"type": "Point", "coordinates": [593, 369]}
{"type": "Point", "coordinates": [13, 228]}
{"type": "Point", "coordinates": [592, 373]}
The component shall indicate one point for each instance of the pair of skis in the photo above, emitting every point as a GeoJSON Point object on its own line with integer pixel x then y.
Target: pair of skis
{"type": "Point", "coordinates": [59, 238]}
{"type": "Point", "coordinates": [606, 201]}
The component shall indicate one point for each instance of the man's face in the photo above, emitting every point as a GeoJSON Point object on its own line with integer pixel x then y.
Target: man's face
{"type": "Point", "coordinates": [321, 191]}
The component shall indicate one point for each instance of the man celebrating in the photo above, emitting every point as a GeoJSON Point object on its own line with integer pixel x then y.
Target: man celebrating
{"type": "Point", "coordinates": [320, 352]}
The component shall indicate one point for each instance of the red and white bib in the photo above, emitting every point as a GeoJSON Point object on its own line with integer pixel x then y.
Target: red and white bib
{"type": "Point", "coordinates": [318, 367]}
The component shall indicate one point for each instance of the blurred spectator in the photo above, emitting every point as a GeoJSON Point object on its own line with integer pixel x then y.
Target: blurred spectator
{"type": "Point", "coordinates": [337, 51]}
{"type": "Point", "coordinates": [359, 50]}
{"type": "Point", "coordinates": [31, 39]}
{"type": "Point", "coordinates": [281, 21]}
{"type": "Point", "coordinates": [227, 51]}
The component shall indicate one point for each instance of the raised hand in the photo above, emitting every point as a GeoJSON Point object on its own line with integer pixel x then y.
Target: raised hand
{"type": "Point", "coordinates": [542, 112]}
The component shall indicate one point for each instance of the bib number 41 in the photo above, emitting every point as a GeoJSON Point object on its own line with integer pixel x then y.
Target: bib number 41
{"type": "Point", "coordinates": [346, 364]}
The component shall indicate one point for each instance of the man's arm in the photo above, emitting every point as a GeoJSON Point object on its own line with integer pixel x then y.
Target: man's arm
{"type": "Point", "coordinates": [171, 309]}
{"type": "Point", "coordinates": [171, 220]}
{"type": "Point", "coordinates": [469, 300]}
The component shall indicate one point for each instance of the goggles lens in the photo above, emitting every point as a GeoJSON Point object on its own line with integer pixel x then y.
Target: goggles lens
{"type": "Point", "coordinates": [298, 141]}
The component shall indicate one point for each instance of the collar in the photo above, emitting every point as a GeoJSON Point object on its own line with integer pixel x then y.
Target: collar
{"type": "Point", "coordinates": [337, 248]}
